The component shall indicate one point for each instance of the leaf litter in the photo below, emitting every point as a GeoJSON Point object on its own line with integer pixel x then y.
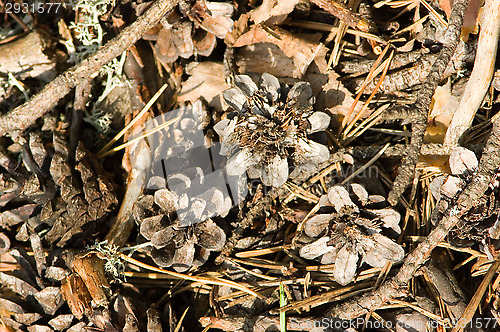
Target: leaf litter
{"type": "Point", "coordinates": [237, 186]}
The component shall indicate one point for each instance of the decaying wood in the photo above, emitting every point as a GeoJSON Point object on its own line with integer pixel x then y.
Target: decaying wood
{"type": "Point", "coordinates": [442, 278]}
{"type": "Point", "coordinates": [29, 56]}
{"type": "Point", "coordinates": [24, 115]}
{"type": "Point", "coordinates": [424, 96]}
{"type": "Point", "coordinates": [488, 166]}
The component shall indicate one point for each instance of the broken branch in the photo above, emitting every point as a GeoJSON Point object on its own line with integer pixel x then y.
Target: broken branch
{"type": "Point", "coordinates": [26, 114]}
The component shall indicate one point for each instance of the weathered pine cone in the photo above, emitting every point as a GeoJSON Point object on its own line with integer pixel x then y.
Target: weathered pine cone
{"type": "Point", "coordinates": [271, 129]}
{"type": "Point", "coordinates": [36, 287]}
{"type": "Point", "coordinates": [174, 245]}
{"type": "Point", "coordinates": [30, 296]}
{"type": "Point", "coordinates": [70, 197]}
{"type": "Point", "coordinates": [351, 232]}
{"type": "Point", "coordinates": [195, 33]}
{"type": "Point", "coordinates": [189, 163]}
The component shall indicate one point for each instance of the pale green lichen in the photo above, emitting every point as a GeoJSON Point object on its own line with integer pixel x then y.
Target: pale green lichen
{"type": "Point", "coordinates": [89, 34]}
{"type": "Point", "coordinates": [113, 265]}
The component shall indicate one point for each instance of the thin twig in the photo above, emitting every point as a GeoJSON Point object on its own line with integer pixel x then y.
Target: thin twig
{"type": "Point", "coordinates": [488, 166]}
{"type": "Point", "coordinates": [341, 11]}
{"type": "Point", "coordinates": [26, 114]}
{"type": "Point", "coordinates": [471, 308]}
{"type": "Point", "coordinates": [481, 76]}
{"type": "Point", "coordinates": [424, 96]}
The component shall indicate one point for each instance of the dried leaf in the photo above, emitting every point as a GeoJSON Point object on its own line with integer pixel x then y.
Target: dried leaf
{"type": "Point", "coordinates": [300, 51]}
{"type": "Point", "coordinates": [272, 12]}
{"type": "Point", "coordinates": [204, 42]}
{"type": "Point", "coordinates": [206, 81]}
{"type": "Point", "coordinates": [165, 47]}
{"type": "Point", "coordinates": [181, 37]}
{"type": "Point", "coordinates": [471, 16]}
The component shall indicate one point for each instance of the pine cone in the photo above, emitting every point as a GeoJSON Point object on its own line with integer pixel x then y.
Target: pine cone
{"type": "Point", "coordinates": [69, 197]}
{"type": "Point", "coordinates": [271, 129]}
{"type": "Point", "coordinates": [31, 297]}
{"type": "Point", "coordinates": [195, 33]}
{"type": "Point", "coordinates": [175, 245]}
{"type": "Point", "coordinates": [480, 225]}
{"type": "Point", "coordinates": [351, 232]}
{"type": "Point", "coordinates": [187, 161]}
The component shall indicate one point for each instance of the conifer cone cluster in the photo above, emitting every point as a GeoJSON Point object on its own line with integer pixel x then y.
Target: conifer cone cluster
{"type": "Point", "coordinates": [350, 232]}
{"type": "Point", "coordinates": [268, 133]}
{"type": "Point", "coordinates": [55, 195]}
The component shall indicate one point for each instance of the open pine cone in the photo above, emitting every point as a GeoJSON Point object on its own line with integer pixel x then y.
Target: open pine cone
{"type": "Point", "coordinates": [480, 225]}
{"type": "Point", "coordinates": [175, 245]}
{"type": "Point", "coordinates": [56, 195]}
{"type": "Point", "coordinates": [195, 33]}
{"type": "Point", "coordinates": [351, 232]}
{"type": "Point", "coordinates": [271, 129]}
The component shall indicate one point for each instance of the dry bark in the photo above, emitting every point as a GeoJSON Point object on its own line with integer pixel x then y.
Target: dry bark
{"type": "Point", "coordinates": [423, 100]}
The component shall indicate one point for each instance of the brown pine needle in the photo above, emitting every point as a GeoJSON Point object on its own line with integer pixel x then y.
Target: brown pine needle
{"type": "Point", "coordinates": [210, 281]}
{"type": "Point", "coordinates": [368, 164]}
{"type": "Point", "coordinates": [179, 325]}
{"type": "Point", "coordinates": [365, 105]}
{"type": "Point", "coordinates": [471, 308]}
{"type": "Point", "coordinates": [351, 109]}
{"type": "Point", "coordinates": [261, 252]}
{"type": "Point", "coordinates": [134, 120]}
{"type": "Point", "coordinates": [365, 125]}
{"type": "Point", "coordinates": [124, 145]}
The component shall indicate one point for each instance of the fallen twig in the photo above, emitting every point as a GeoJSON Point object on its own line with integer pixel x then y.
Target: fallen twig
{"type": "Point", "coordinates": [488, 166]}
{"type": "Point", "coordinates": [481, 76]}
{"type": "Point", "coordinates": [341, 11]}
{"type": "Point", "coordinates": [423, 100]}
{"type": "Point", "coordinates": [26, 114]}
